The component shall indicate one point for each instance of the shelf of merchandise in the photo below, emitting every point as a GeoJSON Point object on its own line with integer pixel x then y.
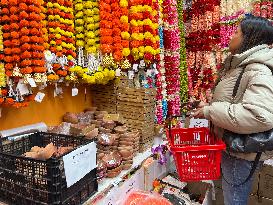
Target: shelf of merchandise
{"type": "Point", "coordinates": [106, 184]}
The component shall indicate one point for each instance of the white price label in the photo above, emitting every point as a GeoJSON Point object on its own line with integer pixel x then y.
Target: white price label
{"type": "Point", "coordinates": [118, 72]}
{"type": "Point", "coordinates": [75, 92]}
{"type": "Point", "coordinates": [31, 82]}
{"type": "Point", "coordinates": [22, 87]}
{"type": "Point", "coordinates": [79, 162]}
{"type": "Point", "coordinates": [39, 97]}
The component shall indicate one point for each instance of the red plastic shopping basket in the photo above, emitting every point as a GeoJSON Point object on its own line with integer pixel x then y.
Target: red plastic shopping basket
{"type": "Point", "coordinates": [197, 153]}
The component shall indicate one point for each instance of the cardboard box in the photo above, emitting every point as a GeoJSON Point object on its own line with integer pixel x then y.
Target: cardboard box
{"type": "Point", "coordinates": [118, 193]}
{"type": "Point", "coordinates": [153, 171]}
{"type": "Point", "coordinates": [255, 200]}
{"type": "Point", "coordinates": [266, 180]}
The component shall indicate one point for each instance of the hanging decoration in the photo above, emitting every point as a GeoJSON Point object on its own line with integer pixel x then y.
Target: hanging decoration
{"type": "Point", "coordinates": [150, 30]}
{"type": "Point", "coordinates": [183, 55]}
{"type": "Point", "coordinates": [24, 44]}
{"type": "Point", "coordinates": [91, 20]}
{"type": "Point", "coordinates": [171, 55]}
{"type": "Point", "coordinates": [232, 11]}
{"type": "Point", "coordinates": [61, 36]}
{"type": "Point", "coordinates": [2, 68]}
{"type": "Point", "coordinates": [136, 7]}
{"type": "Point", "coordinates": [161, 97]}
{"type": "Point", "coordinates": [263, 9]}
{"type": "Point", "coordinates": [202, 41]}
{"type": "Point", "coordinates": [125, 35]}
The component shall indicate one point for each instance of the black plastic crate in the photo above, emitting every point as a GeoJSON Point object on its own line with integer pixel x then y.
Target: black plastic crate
{"type": "Point", "coordinates": [26, 181]}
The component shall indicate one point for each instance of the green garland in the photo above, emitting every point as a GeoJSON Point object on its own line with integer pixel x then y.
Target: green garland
{"type": "Point", "coordinates": [183, 63]}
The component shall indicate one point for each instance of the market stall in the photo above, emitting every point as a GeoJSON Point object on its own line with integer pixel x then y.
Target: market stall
{"type": "Point", "coordinates": [101, 77]}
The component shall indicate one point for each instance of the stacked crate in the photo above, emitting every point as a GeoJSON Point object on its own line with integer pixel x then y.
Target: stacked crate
{"type": "Point", "coordinates": [104, 97]}
{"type": "Point", "coordinates": [137, 107]}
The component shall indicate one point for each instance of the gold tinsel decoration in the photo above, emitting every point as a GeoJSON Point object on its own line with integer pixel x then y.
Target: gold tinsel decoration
{"type": "Point", "coordinates": [108, 61]}
{"type": "Point", "coordinates": [125, 65]}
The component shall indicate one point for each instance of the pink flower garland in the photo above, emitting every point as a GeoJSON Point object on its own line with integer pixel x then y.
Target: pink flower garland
{"type": "Point", "coordinates": [172, 56]}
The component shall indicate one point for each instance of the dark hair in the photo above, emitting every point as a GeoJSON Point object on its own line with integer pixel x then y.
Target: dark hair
{"type": "Point", "coordinates": [256, 31]}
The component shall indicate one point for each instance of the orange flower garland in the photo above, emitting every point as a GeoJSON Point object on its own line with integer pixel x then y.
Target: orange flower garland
{"type": "Point", "coordinates": [125, 28]}
{"type": "Point", "coordinates": [110, 28]}
{"type": "Point", "coordinates": [23, 36]}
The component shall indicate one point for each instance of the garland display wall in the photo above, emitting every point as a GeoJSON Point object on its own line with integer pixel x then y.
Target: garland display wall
{"type": "Point", "coordinates": [174, 46]}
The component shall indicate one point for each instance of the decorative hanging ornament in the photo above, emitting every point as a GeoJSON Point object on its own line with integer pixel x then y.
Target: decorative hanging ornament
{"type": "Point", "coordinates": [108, 61]}
{"type": "Point", "coordinates": [16, 72]}
{"type": "Point", "coordinates": [125, 65]}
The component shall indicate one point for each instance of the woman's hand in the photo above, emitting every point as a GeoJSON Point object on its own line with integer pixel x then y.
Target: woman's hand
{"type": "Point", "coordinates": [198, 113]}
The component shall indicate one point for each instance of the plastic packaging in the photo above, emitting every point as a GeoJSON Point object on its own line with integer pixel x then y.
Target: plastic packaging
{"type": "Point", "coordinates": [137, 197]}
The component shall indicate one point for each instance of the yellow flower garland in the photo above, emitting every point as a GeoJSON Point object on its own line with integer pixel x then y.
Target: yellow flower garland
{"type": "Point", "coordinates": [91, 19]}
{"type": "Point", "coordinates": [102, 76]}
{"type": "Point", "coordinates": [79, 23]}
{"type": "Point", "coordinates": [2, 76]}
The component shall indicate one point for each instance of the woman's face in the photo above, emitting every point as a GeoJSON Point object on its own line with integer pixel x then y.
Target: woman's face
{"type": "Point", "coordinates": [236, 41]}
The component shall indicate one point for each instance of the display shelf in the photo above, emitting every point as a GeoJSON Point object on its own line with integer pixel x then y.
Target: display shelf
{"type": "Point", "coordinates": [107, 183]}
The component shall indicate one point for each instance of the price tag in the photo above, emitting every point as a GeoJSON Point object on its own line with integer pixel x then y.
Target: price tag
{"type": "Point", "coordinates": [117, 181]}
{"type": "Point", "coordinates": [75, 92]}
{"type": "Point", "coordinates": [39, 97]}
{"type": "Point", "coordinates": [22, 87]}
{"type": "Point", "coordinates": [118, 72]}
{"type": "Point", "coordinates": [135, 67]}
{"type": "Point", "coordinates": [131, 74]}
{"type": "Point", "coordinates": [31, 82]}
{"type": "Point", "coordinates": [79, 162]}
{"type": "Point", "coordinates": [198, 123]}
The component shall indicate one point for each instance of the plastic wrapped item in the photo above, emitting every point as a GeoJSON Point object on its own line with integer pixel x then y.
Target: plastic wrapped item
{"type": "Point", "coordinates": [112, 160]}
{"type": "Point", "coordinates": [120, 129]}
{"type": "Point", "coordinates": [106, 139]}
{"type": "Point", "coordinates": [81, 129]}
{"type": "Point", "coordinates": [101, 170]}
{"type": "Point", "coordinates": [109, 124]}
{"type": "Point", "coordinates": [63, 128]}
{"type": "Point", "coordinates": [137, 197]}
{"type": "Point", "coordinates": [70, 117]}
{"type": "Point", "coordinates": [85, 117]}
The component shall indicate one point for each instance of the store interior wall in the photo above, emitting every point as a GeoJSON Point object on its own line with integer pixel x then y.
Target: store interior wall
{"type": "Point", "coordinates": [50, 110]}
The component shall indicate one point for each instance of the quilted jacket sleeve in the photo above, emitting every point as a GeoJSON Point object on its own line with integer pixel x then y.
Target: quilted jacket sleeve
{"type": "Point", "coordinates": [255, 112]}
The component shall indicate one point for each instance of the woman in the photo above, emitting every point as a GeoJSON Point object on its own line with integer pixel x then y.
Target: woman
{"type": "Point", "coordinates": [252, 109]}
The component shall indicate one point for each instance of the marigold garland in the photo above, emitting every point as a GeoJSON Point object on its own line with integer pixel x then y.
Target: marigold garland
{"type": "Point", "coordinates": [110, 28]}
{"type": "Point", "coordinates": [91, 19]}
{"type": "Point", "coordinates": [136, 29]}
{"type": "Point", "coordinates": [102, 76]}
{"type": "Point", "coordinates": [23, 37]}
{"type": "Point", "coordinates": [150, 30]}
{"type": "Point", "coordinates": [125, 26]}
{"type": "Point", "coordinates": [61, 33]}
{"type": "Point", "coordinates": [2, 76]}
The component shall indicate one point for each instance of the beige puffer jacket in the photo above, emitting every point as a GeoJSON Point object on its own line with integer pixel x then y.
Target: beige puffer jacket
{"type": "Point", "coordinates": [252, 110]}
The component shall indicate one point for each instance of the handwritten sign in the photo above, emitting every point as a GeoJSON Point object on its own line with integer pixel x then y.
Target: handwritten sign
{"type": "Point", "coordinates": [79, 163]}
{"type": "Point", "coordinates": [198, 123]}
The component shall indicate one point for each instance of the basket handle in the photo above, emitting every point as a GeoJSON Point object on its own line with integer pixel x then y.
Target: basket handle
{"type": "Point", "coordinates": [170, 117]}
